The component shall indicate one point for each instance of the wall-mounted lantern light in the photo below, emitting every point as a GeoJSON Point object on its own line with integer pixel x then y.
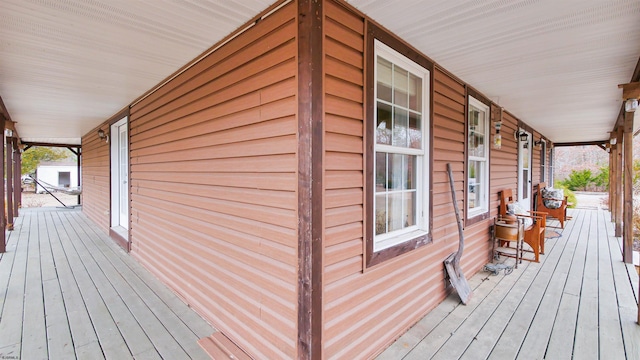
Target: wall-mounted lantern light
{"type": "Point", "coordinates": [103, 136]}
{"type": "Point", "coordinates": [631, 105]}
{"type": "Point", "coordinates": [521, 135]}
{"type": "Point", "coordinates": [497, 138]}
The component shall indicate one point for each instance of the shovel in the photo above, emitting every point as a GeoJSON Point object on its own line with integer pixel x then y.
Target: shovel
{"type": "Point", "coordinates": [452, 262]}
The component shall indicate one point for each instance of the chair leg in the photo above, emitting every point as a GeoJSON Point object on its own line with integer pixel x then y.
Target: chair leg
{"type": "Point", "coordinates": [534, 243]}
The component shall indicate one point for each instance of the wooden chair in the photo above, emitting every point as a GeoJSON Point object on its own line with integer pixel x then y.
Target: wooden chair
{"type": "Point", "coordinates": [534, 233]}
{"type": "Point", "coordinates": [559, 213]}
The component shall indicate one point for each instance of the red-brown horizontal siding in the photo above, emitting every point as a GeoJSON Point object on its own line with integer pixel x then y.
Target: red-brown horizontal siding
{"type": "Point", "coordinates": [96, 179]}
{"type": "Point", "coordinates": [214, 179]}
{"type": "Point", "coordinates": [365, 311]}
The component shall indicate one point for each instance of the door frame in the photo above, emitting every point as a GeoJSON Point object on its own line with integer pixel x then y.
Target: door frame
{"type": "Point", "coordinates": [117, 231]}
{"type": "Point", "coordinates": [525, 186]}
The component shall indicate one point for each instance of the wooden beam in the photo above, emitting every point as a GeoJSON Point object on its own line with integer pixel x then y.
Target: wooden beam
{"type": "Point", "coordinates": [583, 143]}
{"type": "Point", "coordinates": [630, 91]}
{"type": "Point", "coordinates": [4, 113]}
{"type": "Point", "coordinates": [29, 144]}
{"type": "Point", "coordinates": [627, 232]}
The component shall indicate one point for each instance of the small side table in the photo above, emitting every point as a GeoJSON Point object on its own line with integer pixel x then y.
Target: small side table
{"type": "Point", "coordinates": [508, 233]}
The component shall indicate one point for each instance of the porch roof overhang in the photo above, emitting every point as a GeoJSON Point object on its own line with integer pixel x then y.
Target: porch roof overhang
{"type": "Point", "coordinates": [65, 67]}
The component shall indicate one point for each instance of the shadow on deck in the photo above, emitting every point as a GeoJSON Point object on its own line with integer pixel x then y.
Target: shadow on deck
{"type": "Point", "coordinates": [579, 302]}
{"type": "Point", "coordinates": [67, 291]}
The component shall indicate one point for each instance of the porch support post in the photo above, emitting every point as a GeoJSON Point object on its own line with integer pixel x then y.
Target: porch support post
{"type": "Point", "coordinates": [3, 236]}
{"type": "Point", "coordinates": [619, 171]}
{"type": "Point", "coordinates": [627, 249]}
{"type": "Point", "coordinates": [310, 175]}
{"type": "Point", "coordinates": [613, 177]}
{"type": "Point", "coordinates": [79, 153]}
{"type": "Point", "coordinates": [9, 191]}
{"type": "Point", "coordinates": [612, 182]}
{"type": "Point", "coordinates": [17, 181]}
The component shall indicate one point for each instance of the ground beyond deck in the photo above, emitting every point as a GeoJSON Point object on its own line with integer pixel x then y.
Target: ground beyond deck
{"type": "Point", "coordinates": [579, 302]}
{"type": "Point", "coordinates": [67, 291]}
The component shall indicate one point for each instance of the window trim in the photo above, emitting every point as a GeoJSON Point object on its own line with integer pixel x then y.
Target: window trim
{"type": "Point", "coordinates": [476, 99]}
{"type": "Point", "coordinates": [422, 238]}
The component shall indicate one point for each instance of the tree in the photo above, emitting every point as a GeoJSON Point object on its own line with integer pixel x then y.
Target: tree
{"type": "Point", "coordinates": [35, 155]}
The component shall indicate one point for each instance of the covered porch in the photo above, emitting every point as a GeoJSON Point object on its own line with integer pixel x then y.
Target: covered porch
{"type": "Point", "coordinates": [578, 302]}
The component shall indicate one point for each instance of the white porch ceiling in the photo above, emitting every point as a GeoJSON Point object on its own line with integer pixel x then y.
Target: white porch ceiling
{"type": "Point", "coordinates": [66, 66]}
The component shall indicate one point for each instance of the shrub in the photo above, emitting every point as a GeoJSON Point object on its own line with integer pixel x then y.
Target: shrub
{"type": "Point", "coordinates": [578, 180]}
{"type": "Point", "coordinates": [601, 179]}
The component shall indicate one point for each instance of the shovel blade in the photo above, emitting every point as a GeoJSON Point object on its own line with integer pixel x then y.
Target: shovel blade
{"type": "Point", "coordinates": [457, 279]}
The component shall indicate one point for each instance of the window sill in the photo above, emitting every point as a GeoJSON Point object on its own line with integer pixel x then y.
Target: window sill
{"type": "Point", "coordinates": [415, 239]}
{"type": "Point", "coordinates": [476, 218]}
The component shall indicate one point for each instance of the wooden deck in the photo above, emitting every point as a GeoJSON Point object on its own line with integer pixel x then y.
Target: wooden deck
{"type": "Point", "coordinates": [67, 291]}
{"type": "Point", "coordinates": [579, 302]}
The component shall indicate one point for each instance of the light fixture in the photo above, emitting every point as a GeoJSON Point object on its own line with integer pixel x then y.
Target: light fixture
{"type": "Point", "coordinates": [8, 132]}
{"type": "Point", "coordinates": [497, 138]}
{"type": "Point", "coordinates": [631, 105]}
{"type": "Point", "coordinates": [103, 136]}
{"type": "Point", "coordinates": [521, 135]}
{"type": "Point", "coordinates": [613, 141]}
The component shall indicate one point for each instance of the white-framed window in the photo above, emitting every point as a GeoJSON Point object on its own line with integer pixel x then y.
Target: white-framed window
{"type": "Point", "coordinates": [401, 169]}
{"type": "Point", "coordinates": [478, 141]}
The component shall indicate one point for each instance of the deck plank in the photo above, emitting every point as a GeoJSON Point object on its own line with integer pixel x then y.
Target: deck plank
{"type": "Point", "coordinates": [111, 340]}
{"type": "Point", "coordinates": [163, 341]}
{"type": "Point", "coordinates": [577, 303]}
{"type": "Point", "coordinates": [12, 310]}
{"type": "Point", "coordinates": [174, 313]}
{"type": "Point", "coordinates": [57, 321]}
{"type": "Point", "coordinates": [538, 335]}
{"type": "Point", "coordinates": [85, 339]}
{"type": "Point", "coordinates": [429, 346]}
{"type": "Point", "coordinates": [609, 327]}
{"type": "Point", "coordinates": [70, 292]}
{"type": "Point", "coordinates": [468, 331]}
{"type": "Point", "coordinates": [567, 315]}
{"type": "Point", "coordinates": [511, 340]}
{"type": "Point", "coordinates": [34, 333]}
{"type": "Point", "coordinates": [586, 338]}
{"type": "Point", "coordinates": [181, 323]}
{"type": "Point", "coordinates": [628, 308]}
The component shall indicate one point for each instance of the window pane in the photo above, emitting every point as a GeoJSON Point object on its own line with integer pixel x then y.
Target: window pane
{"type": "Point", "coordinates": [415, 93]}
{"type": "Point", "coordinates": [395, 214]}
{"type": "Point", "coordinates": [476, 178]}
{"type": "Point", "coordinates": [397, 173]}
{"type": "Point", "coordinates": [381, 214]}
{"type": "Point", "coordinates": [412, 170]}
{"type": "Point", "coordinates": [384, 80]}
{"type": "Point", "coordinates": [476, 132]}
{"type": "Point", "coordinates": [481, 126]}
{"type": "Point", "coordinates": [476, 145]}
{"type": "Point", "coordinates": [415, 131]}
{"type": "Point", "coordinates": [400, 127]}
{"type": "Point", "coordinates": [400, 86]}
{"type": "Point", "coordinates": [381, 172]}
{"type": "Point", "coordinates": [383, 124]}
{"type": "Point", "coordinates": [410, 208]}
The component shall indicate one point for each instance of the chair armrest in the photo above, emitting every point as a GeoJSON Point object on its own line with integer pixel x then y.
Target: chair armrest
{"type": "Point", "coordinates": [540, 213]}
